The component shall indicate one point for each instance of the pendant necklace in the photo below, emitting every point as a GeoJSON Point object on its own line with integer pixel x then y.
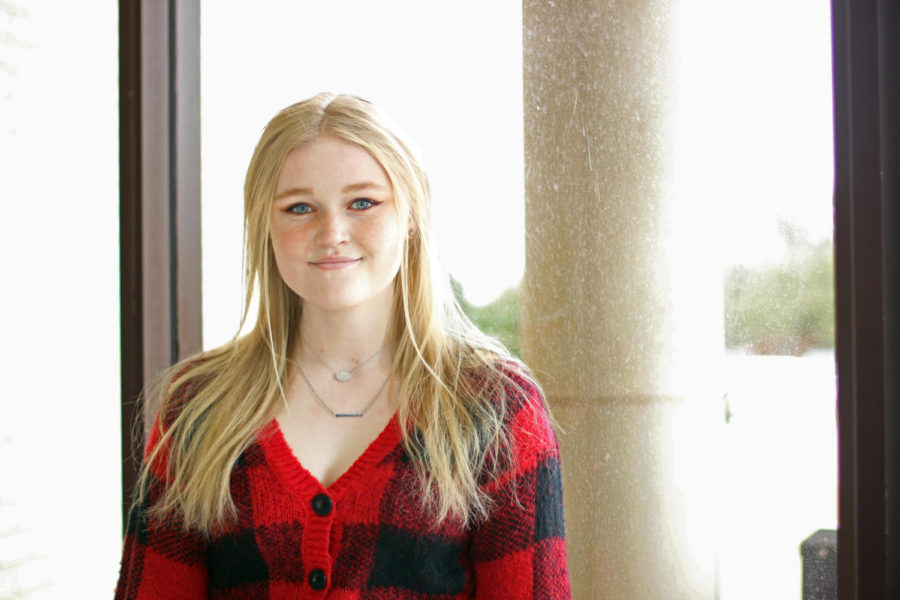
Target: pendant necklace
{"type": "Point", "coordinates": [338, 415]}
{"type": "Point", "coordinates": [343, 375]}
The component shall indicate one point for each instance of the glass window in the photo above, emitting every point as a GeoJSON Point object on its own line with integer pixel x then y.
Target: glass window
{"type": "Point", "coordinates": [757, 127]}
{"type": "Point", "coordinates": [453, 82]}
{"type": "Point", "coordinates": [754, 122]}
{"type": "Point", "coordinates": [60, 498]}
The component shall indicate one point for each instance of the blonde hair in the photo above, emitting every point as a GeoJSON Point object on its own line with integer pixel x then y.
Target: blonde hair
{"type": "Point", "coordinates": [453, 380]}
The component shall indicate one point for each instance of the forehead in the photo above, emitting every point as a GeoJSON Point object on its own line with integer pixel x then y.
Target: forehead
{"type": "Point", "coordinates": [328, 160]}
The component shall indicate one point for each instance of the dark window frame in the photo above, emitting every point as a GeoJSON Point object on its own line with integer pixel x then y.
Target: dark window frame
{"type": "Point", "coordinates": [866, 105]}
{"type": "Point", "coordinates": [159, 199]}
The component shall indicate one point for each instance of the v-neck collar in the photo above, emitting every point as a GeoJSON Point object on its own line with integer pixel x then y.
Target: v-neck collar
{"type": "Point", "coordinates": [300, 482]}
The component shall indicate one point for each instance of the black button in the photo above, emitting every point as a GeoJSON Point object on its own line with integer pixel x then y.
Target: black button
{"type": "Point", "coordinates": [322, 505]}
{"type": "Point", "coordinates": [317, 579]}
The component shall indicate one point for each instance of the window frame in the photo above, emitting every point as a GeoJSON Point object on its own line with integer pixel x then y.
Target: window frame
{"type": "Point", "coordinates": [159, 196]}
{"type": "Point", "coordinates": [866, 104]}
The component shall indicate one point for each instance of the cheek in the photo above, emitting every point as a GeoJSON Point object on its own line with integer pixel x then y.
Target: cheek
{"type": "Point", "coordinates": [287, 243]}
{"type": "Point", "coordinates": [287, 247]}
{"type": "Point", "coordinates": [390, 244]}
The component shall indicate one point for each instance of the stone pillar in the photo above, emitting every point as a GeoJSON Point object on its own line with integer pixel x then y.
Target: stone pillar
{"type": "Point", "coordinates": [622, 306]}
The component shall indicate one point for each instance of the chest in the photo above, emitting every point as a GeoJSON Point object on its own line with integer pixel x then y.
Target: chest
{"type": "Point", "coordinates": [327, 446]}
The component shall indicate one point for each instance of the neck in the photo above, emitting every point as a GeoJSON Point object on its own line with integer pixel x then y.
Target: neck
{"type": "Point", "coordinates": [342, 336]}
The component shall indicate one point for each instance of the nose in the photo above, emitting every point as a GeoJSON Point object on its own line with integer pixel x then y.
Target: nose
{"type": "Point", "coordinates": [332, 229]}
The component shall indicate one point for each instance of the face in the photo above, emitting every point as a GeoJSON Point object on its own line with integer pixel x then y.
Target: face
{"type": "Point", "coordinates": [335, 228]}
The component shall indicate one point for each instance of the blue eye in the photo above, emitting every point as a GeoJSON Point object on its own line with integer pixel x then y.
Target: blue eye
{"type": "Point", "coordinates": [301, 208]}
{"type": "Point", "coordinates": [363, 204]}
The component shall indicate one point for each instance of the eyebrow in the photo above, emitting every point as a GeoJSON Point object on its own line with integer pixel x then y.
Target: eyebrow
{"type": "Point", "coordinates": [353, 187]}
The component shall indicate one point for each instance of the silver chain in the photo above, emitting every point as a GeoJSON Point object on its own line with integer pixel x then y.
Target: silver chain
{"type": "Point", "coordinates": [342, 375]}
{"type": "Point", "coordinates": [338, 415]}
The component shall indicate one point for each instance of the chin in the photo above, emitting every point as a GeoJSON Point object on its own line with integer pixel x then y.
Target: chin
{"type": "Point", "coordinates": [350, 297]}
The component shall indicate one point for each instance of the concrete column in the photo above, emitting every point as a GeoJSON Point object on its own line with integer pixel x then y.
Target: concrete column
{"type": "Point", "coordinates": [622, 313]}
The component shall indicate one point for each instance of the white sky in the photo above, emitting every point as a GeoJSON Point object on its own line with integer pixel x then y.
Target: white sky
{"type": "Point", "coordinates": [754, 121]}
{"type": "Point", "coordinates": [756, 117]}
{"type": "Point", "coordinates": [59, 242]}
{"type": "Point", "coordinates": [453, 82]}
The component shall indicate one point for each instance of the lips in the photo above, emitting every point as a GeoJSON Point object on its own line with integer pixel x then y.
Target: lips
{"type": "Point", "coordinates": [333, 263]}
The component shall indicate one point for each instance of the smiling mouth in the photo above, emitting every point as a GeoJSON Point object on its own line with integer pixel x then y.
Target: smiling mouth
{"type": "Point", "coordinates": [333, 263]}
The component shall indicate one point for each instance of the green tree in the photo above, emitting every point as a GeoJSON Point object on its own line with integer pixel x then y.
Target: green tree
{"type": "Point", "coordinates": [500, 318]}
{"type": "Point", "coordinates": [784, 308]}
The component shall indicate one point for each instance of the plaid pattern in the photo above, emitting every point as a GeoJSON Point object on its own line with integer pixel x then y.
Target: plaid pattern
{"type": "Point", "coordinates": [364, 537]}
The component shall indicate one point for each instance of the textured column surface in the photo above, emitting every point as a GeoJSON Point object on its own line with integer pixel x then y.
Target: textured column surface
{"type": "Point", "coordinates": [622, 317]}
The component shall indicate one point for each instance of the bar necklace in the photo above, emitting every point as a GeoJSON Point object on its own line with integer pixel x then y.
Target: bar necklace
{"type": "Point", "coordinates": [338, 415]}
{"type": "Point", "coordinates": [343, 375]}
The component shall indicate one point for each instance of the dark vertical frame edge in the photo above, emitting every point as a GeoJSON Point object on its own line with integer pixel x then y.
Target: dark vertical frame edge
{"type": "Point", "coordinates": [162, 46]}
{"type": "Point", "coordinates": [889, 94]}
{"type": "Point", "coordinates": [130, 239]}
{"type": "Point", "coordinates": [866, 104]}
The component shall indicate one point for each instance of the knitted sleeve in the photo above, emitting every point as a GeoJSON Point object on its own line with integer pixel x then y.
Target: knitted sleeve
{"type": "Point", "coordinates": [159, 558]}
{"type": "Point", "coordinates": [520, 551]}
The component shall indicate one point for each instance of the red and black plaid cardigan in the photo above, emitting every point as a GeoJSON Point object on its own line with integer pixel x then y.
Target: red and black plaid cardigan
{"type": "Point", "coordinates": [365, 536]}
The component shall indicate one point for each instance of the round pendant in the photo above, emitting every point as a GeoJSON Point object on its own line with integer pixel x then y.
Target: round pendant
{"type": "Point", "coordinates": [343, 375]}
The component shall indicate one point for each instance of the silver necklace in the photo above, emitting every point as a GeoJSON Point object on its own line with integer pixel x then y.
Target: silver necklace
{"type": "Point", "coordinates": [338, 415]}
{"type": "Point", "coordinates": [343, 375]}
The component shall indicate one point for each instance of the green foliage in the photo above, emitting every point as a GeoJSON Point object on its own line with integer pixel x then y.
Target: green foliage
{"type": "Point", "coordinates": [500, 318]}
{"type": "Point", "coordinates": [785, 308]}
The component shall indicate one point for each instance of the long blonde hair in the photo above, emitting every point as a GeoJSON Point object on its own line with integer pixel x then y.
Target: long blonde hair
{"type": "Point", "coordinates": [452, 381]}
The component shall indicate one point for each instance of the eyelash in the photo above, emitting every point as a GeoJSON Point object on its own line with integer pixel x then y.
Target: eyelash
{"type": "Point", "coordinates": [292, 209]}
{"type": "Point", "coordinates": [371, 203]}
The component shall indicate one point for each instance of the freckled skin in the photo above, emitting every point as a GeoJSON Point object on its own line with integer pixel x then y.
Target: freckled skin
{"type": "Point", "coordinates": [335, 229]}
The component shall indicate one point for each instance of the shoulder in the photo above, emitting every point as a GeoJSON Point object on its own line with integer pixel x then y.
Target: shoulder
{"type": "Point", "coordinates": [175, 387]}
{"type": "Point", "coordinates": [530, 422]}
{"type": "Point", "coordinates": [518, 396]}
{"type": "Point", "coordinates": [170, 394]}
{"type": "Point", "coordinates": [519, 389]}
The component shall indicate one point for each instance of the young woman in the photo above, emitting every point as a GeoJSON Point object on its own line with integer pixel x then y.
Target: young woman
{"type": "Point", "coordinates": [364, 440]}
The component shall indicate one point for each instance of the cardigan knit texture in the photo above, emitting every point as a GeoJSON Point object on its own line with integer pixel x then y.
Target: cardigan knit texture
{"type": "Point", "coordinates": [366, 536]}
